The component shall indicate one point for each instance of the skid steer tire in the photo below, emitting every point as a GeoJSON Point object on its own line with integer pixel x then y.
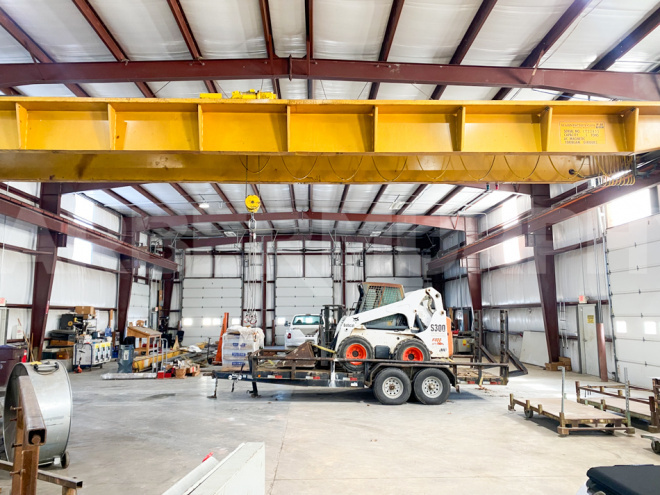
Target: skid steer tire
{"type": "Point", "coordinates": [411, 350]}
{"type": "Point", "coordinates": [354, 347]}
{"type": "Point", "coordinates": [432, 386]}
{"type": "Point", "coordinates": [392, 387]}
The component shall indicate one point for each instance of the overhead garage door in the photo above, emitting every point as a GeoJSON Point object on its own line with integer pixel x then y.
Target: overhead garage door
{"type": "Point", "coordinates": [635, 285]}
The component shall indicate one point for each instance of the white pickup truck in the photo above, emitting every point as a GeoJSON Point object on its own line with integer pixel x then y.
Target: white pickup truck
{"type": "Point", "coordinates": [303, 328]}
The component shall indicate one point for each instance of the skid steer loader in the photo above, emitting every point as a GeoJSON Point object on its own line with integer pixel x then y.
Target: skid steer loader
{"type": "Point", "coordinates": [415, 328]}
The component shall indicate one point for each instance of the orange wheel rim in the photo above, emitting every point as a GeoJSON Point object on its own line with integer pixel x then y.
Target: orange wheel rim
{"type": "Point", "coordinates": [413, 354]}
{"type": "Point", "coordinates": [356, 351]}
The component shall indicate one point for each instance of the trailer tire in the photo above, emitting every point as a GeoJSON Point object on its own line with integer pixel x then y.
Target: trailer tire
{"type": "Point", "coordinates": [432, 386]}
{"type": "Point", "coordinates": [655, 446]}
{"type": "Point", "coordinates": [356, 347]}
{"type": "Point", "coordinates": [392, 387]}
{"type": "Point", "coordinates": [411, 350]}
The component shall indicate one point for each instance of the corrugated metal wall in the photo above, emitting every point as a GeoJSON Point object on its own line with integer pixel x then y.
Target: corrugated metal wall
{"type": "Point", "coordinates": [296, 282]}
{"type": "Point", "coordinates": [89, 279]}
{"type": "Point", "coordinates": [509, 280]}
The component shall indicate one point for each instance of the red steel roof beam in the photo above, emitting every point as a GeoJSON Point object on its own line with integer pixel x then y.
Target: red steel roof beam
{"type": "Point", "coordinates": [392, 22]}
{"type": "Point", "coordinates": [226, 201]}
{"type": "Point", "coordinates": [628, 85]}
{"type": "Point", "coordinates": [268, 38]}
{"type": "Point", "coordinates": [379, 194]}
{"type": "Point", "coordinates": [186, 32]}
{"type": "Point", "coordinates": [33, 49]}
{"type": "Point", "coordinates": [638, 34]}
{"type": "Point", "coordinates": [470, 35]}
{"type": "Point", "coordinates": [109, 41]}
{"type": "Point", "coordinates": [556, 31]}
{"type": "Point", "coordinates": [178, 188]}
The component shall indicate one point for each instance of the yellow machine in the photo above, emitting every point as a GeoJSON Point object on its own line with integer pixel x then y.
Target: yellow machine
{"type": "Point", "coordinates": [242, 95]}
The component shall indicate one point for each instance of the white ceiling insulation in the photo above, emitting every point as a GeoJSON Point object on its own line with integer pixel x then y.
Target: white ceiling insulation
{"type": "Point", "coordinates": [349, 29]}
{"type": "Point", "coordinates": [455, 203]}
{"type": "Point", "coordinates": [644, 56]}
{"type": "Point", "coordinates": [428, 199]}
{"type": "Point", "coordinates": [602, 25]}
{"type": "Point", "coordinates": [341, 90]}
{"type": "Point", "coordinates": [430, 30]}
{"type": "Point", "coordinates": [59, 28]}
{"type": "Point", "coordinates": [288, 26]}
{"type": "Point", "coordinates": [512, 30]}
{"type": "Point", "coordinates": [54, 90]}
{"type": "Point", "coordinates": [226, 28]}
{"type": "Point", "coordinates": [11, 51]}
{"type": "Point", "coordinates": [228, 87]}
{"type": "Point", "coordinates": [144, 29]}
{"type": "Point", "coordinates": [487, 201]}
{"type": "Point", "coordinates": [395, 91]}
{"type": "Point", "coordinates": [138, 200]}
{"type": "Point", "coordinates": [295, 89]}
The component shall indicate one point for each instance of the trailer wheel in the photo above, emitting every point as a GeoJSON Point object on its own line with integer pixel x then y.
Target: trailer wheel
{"type": "Point", "coordinates": [357, 348]}
{"type": "Point", "coordinates": [392, 387]}
{"type": "Point", "coordinates": [529, 413]}
{"type": "Point", "coordinates": [655, 446]}
{"type": "Point", "coordinates": [432, 386]}
{"type": "Point", "coordinates": [411, 350]}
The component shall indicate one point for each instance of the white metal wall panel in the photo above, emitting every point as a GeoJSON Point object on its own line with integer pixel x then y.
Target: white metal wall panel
{"type": "Point", "coordinates": [581, 272]}
{"type": "Point", "coordinates": [635, 286]}
{"type": "Point", "coordinates": [227, 265]}
{"type": "Point", "coordinates": [507, 252]}
{"type": "Point", "coordinates": [457, 294]}
{"type": "Point", "coordinates": [317, 266]}
{"type": "Point", "coordinates": [581, 228]}
{"type": "Point", "coordinates": [515, 284]}
{"type": "Point", "coordinates": [103, 258]}
{"type": "Point", "coordinates": [379, 265]}
{"type": "Point", "coordinates": [198, 266]}
{"type": "Point", "coordinates": [354, 269]}
{"type": "Point", "coordinates": [408, 265]}
{"type": "Point", "coordinates": [289, 265]}
{"type": "Point", "coordinates": [16, 276]}
{"type": "Point", "coordinates": [17, 233]}
{"type": "Point", "coordinates": [75, 285]}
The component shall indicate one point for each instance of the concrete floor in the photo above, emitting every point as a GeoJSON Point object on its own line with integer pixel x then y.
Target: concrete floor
{"type": "Point", "coordinates": [142, 436]}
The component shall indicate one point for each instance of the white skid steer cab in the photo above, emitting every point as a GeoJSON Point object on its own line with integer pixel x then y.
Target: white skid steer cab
{"type": "Point", "coordinates": [415, 328]}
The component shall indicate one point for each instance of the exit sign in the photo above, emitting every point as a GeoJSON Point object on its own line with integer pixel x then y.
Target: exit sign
{"type": "Point", "coordinates": [3, 301]}
{"type": "Point", "coordinates": [582, 299]}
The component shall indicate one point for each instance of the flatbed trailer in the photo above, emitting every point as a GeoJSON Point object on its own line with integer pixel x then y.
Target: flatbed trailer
{"type": "Point", "coordinates": [393, 382]}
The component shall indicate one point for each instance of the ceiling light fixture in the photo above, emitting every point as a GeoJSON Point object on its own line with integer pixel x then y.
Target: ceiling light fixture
{"type": "Point", "coordinates": [204, 205]}
{"type": "Point", "coordinates": [229, 233]}
{"type": "Point", "coordinates": [376, 233]}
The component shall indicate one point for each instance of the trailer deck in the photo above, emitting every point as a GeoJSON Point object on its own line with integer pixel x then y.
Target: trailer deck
{"type": "Point", "coordinates": [270, 366]}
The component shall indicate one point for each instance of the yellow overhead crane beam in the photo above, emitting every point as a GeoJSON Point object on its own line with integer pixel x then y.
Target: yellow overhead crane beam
{"type": "Point", "coordinates": [331, 141]}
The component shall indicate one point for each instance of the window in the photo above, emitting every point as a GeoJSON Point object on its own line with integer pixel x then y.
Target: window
{"type": "Point", "coordinates": [217, 322]}
{"type": "Point", "coordinates": [206, 322]}
{"type": "Point", "coordinates": [187, 322]}
{"type": "Point", "coordinates": [629, 208]}
{"type": "Point", "coordinates": [307, 320]}
{"type": "Point", "coordinates": [511, 250]}
{"type": "Point", "coordinates": [650, 328]}
{"type": "Point", "coordinates": [621, 327]}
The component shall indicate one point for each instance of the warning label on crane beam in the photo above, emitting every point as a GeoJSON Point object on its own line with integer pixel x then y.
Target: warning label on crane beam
{"type": "Point", "coordinates": [582, 132]}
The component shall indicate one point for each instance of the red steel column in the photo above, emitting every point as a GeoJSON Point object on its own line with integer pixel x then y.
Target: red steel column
{"type": "Point", "coordinates": [44, 268]}
{"type": "Point", "coordinates": [264, 284]}
{"type": "Point", "coordinates": [473, 263]}
{"type": "Point", "coordinates": [544, 259]}
{"type": "Point", "coordinates": [126, 274]}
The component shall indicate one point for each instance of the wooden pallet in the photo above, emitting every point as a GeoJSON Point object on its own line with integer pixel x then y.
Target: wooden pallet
{"type": "Point", "coordinates": [576, 417]}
